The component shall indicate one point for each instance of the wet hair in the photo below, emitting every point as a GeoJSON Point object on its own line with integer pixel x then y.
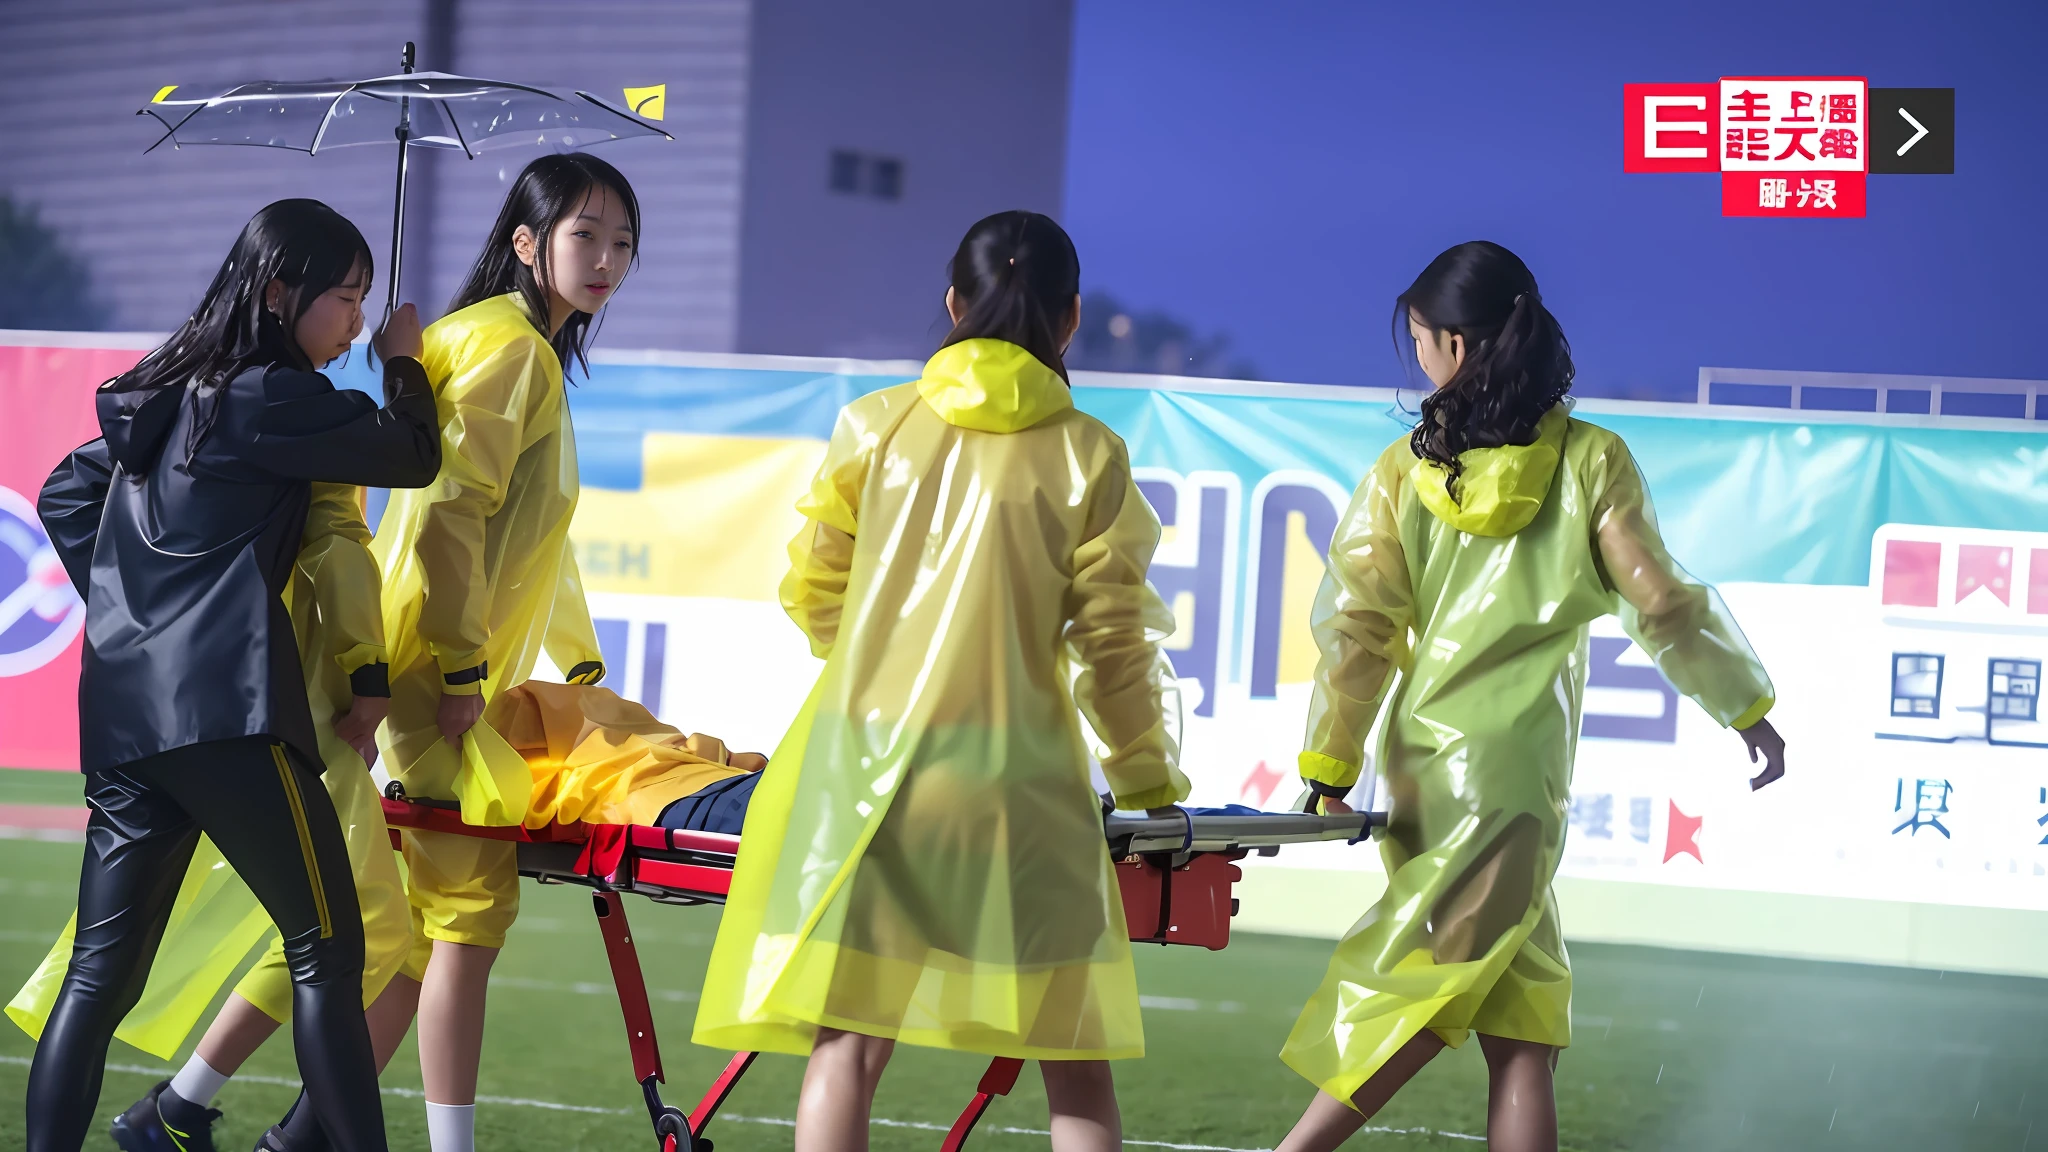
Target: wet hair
{"type": "Point", "coordinates": [304, 243]}
{"type": "Point", "coordinates": [547, 191]}
{"type": "Point", "coordinates": [1016, 276]}
{"type": "Point", "coordinates": [1517, 367]}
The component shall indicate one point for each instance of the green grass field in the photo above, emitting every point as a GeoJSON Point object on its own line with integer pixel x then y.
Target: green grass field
{"type": "Point", "coordinates": [1674, 1050]}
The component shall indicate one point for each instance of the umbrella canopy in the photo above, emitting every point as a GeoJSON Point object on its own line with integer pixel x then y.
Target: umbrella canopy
{"type": "Point", "coordinates": [443, 111]}
{"type": "Point", "coordinates": [412, 109]}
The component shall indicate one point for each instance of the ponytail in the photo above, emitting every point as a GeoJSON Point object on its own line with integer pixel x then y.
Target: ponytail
{"type": "Point", "coordinates": [1517, 366]}
{"type": "Point", "coordinates": [1015, 277]}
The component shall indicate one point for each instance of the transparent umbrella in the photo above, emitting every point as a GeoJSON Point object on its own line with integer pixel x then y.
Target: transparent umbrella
{"type": "Point", "coordinates": [411, 109]}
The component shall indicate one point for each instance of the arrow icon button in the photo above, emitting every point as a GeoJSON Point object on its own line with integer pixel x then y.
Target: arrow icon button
{"type": "Point", "coordinates": [1920, 131]}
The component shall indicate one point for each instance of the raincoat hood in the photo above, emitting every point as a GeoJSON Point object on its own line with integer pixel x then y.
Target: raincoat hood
{"type": "Point", "coordinates": [991, 386]}
{"type": "Point", "coordinates": [1500, 489]}
{"type": "Point", "coordinates": [137, 423]}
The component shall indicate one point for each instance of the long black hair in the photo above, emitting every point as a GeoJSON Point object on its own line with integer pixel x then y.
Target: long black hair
{"type": "Point", "coordinates": [1517, 367]}
{"type": "Point", "coordinates": [547, 190]}
{"type": "Point", "coordinates": [1016, 275]}
{"type": "Point", "coordinates": [305, 244]}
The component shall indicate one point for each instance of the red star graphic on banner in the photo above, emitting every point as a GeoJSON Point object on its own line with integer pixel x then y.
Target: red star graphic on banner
{"type": "Point", "coordinates": [1260, 784]}
{"type": "Point", "coordinates": [1680, 835]}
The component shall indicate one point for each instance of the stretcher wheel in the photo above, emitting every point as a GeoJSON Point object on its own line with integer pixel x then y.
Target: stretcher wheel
{"type": "Point", "coordinates": [672, 1128]}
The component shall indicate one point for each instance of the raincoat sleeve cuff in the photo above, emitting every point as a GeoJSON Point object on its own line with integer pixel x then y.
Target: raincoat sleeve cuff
{"type": "Point", "coordinates": [464, 681]}
{"type": "Point", "coordinates": [1317, 768]}
{"type": "Point", "coordinates": [1160, 797]}
{"type": "Point", "coordinates": [1755, 712]}
{"type": "Point", "coordinates": [371, 680]}
{"type": "Point", "coordinates": [453, 660]}
{"type": "Point", "coordinates": [360, 655]}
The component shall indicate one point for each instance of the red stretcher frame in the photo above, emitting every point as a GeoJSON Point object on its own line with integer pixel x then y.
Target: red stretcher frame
{"type": "Point", "coordinates": [1177, 896]}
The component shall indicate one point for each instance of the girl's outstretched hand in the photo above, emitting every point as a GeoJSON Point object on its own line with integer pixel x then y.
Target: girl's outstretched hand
{"type": "Point", "coordinates": [400, 335]}
{"type": "Point", "coordinates": [1764, 740]}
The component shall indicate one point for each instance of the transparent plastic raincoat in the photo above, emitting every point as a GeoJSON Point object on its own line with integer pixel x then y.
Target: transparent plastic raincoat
{"type": "Point", "coordinates": [923, 859]}
{"type": "Point", "coordinates": [479, 575]}
{"type": "Point", "coordinates": [215, 920]}
{"type": "Point", "coordinates": [1481, 602]}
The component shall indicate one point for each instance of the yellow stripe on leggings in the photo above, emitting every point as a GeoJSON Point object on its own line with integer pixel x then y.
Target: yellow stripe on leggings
{"type": "Point", "coordinates": [298, 803]}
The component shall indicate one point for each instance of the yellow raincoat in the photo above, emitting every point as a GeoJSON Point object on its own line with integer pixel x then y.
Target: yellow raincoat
{"type": "Point", "coordinates": [924, 858]}
{"type": "Point", "coordinates": [479, 578]}
{"type": "Point", "coordinates": [1481, 601]}
{"type": "Point", "coordinates": [215, 920]}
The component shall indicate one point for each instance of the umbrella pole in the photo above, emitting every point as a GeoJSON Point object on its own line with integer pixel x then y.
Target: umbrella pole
{"type": "Point", "coordinates": [404, 134]}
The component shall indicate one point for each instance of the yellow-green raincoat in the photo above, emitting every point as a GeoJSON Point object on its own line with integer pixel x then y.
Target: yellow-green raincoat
{"type": "Point", "coordinates": [215, 920]}
{"type": "Point", "coordinates": [924, 859]}
{"type": "Point", "coordinates": [1481, 602]}
{"type": "Point", "coordinates": [479, 574]}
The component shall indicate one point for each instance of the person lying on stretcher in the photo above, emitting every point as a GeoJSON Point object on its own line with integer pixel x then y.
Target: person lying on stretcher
{"type": "Point", "coordinates": [599, 758]}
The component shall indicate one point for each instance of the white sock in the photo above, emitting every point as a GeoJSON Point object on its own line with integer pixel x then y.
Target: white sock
{"type": "Point", "coordinates": [451, 1127]}
{"type": "Point", "coordinates": [197, 1082]}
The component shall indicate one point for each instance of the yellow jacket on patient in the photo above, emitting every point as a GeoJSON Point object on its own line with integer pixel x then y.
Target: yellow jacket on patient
{"type": "Point", "coordinates": [216, 921]}
{"type": "Point", "coordinates": [925, 859]}
{"type": "Point", "coordinates": [594, 756]}
{"type": "Point", "coordinates": [1481, 603]}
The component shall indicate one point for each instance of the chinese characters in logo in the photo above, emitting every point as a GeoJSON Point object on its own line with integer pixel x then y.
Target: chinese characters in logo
{"type": "Point", "coordinates": [1927, 805]}
{"type": "Point", "coordinates": [1792, 146]}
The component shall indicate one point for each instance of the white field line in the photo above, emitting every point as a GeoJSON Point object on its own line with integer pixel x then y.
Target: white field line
{"type": "Point", "coordinates": [775, 1121]}
{"type": "Point", "coordinates": [679, 996]}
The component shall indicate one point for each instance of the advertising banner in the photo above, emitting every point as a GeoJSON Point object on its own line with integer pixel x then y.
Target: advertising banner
{"type": "Point", "coordinates": [1891, 571]}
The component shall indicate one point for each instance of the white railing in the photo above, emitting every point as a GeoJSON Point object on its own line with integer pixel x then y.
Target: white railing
{"type": "Point", "coordinates": [1886, 390]}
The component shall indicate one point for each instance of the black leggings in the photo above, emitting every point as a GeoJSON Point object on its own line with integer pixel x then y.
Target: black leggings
{"type": "Point", "coordinates": [271, 818]}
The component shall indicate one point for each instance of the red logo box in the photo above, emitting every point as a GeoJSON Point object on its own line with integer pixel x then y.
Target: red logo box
{"type": "Point", "coordinates": [1669, 127]}
{"type": "Point", "coordinates": [1823, 195]}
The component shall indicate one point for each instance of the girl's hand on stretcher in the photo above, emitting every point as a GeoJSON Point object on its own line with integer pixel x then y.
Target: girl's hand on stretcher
{"type": "Point", "coordinates": [357, 727]}
{"type": "Point", "coordinates": [1335, 807]}
{"type": "Point", "coordinates": [458, 714]}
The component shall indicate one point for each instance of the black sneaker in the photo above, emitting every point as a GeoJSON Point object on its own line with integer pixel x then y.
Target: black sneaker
{"type": "Point", "coordinates": [142, 1128]}
{"type": "Point", "coordinates": [137, 1129]}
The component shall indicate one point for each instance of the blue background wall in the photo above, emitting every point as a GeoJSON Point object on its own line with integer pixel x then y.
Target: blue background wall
{"type": "Point", "coordinates": [1281, 170]}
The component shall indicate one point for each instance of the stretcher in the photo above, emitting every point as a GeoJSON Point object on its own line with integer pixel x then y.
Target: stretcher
{"type": "Point", "coordinates": [1175, 873]}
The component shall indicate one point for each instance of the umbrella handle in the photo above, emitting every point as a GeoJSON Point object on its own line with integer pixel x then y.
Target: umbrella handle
{"type": "Point", "coordinates": [404, 134]}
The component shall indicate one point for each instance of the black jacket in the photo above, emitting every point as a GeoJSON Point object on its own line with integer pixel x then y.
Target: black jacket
{"type": "Point", "coordinates": [182, 562]}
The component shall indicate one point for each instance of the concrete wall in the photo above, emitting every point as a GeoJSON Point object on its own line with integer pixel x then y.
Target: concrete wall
{"type": "Point", "coordinates": [745, 248]}
{"type": "Point", "coordinates": [971, 97]}
{"type": "Point", "coordinates": [684, 293]}
{"type": "Point", "coordinates": [154, 227]}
